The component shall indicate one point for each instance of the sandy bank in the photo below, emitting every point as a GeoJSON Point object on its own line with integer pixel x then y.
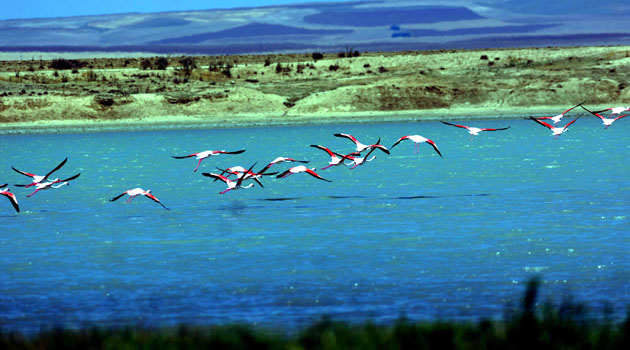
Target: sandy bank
{"type": "Point", "coordinates": [242, 91]}
{"type": "Point", "coordinates": [265, 120]}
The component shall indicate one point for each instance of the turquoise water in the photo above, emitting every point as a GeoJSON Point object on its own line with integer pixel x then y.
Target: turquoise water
{"type": "Point", "coordinates": [414, 234]}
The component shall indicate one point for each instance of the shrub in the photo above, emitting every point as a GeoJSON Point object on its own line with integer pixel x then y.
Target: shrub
{"type": "Point", "coordinates": [188, 64]}
{"type": "Point", "coordinates": [317, 56]}
{"type": "Point", "coordinates": [63, 64]}
{"type": "Point", "coordinates": [146, 64]}
{"type": "Point", "coordinates": [161, 63]}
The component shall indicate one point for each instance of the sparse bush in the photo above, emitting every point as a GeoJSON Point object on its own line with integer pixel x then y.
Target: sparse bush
{"type": "Point", "coordinates": [333, 67]}
{"type": "Point", "coordinates": [280, 69]}
{"type": "Point", "coordinates": [267, 61]}
{"type": "Point", "coordinates": [146, 64]}
{"type": "Point", "coordinates": [188, 64]}
{"type": "Point", "coordinates": [63, 64]}
{"type": "Point", "coordinates": [161, 63]}
{"type": "Point", "coordinates": [483, 57]}
{"type": "Point", "coordinates": [317, 56]}
{"type": "Point", "coordinates": [382, 69]}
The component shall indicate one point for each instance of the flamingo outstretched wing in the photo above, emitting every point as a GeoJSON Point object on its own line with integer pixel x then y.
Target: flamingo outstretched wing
{"type": "Point", "coordinates": [314, 174]}
{"type": "Point", "coordinates": [12, 199]}
{"type": "Point", "coordinates": [56, 168]}
{"type": "Point", "coordinates": [457, 125]}
{"type": "Point", "coordinates": [118, 197]}
{"type": "Point", "coordinates": [152, 197]}
{"type": "Point", "coordinates": [493, 129]}
{"type": "Point", "coordinates": [541, 122]}
{"type": "Point", "coordinates": [435, 147]}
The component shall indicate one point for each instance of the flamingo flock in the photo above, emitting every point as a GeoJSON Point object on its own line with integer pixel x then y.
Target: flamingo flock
{"type": "Point", "coordinates": [351, 159]}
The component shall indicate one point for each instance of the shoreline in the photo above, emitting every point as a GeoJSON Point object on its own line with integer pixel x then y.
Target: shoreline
{"type": "Point", "coordinates": [119, 94]}
{"type": "Point", "coordinates": [182, 122]}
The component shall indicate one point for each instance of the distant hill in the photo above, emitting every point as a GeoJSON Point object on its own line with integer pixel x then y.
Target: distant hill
{"type": "Point", "coordinates": [361, 25]}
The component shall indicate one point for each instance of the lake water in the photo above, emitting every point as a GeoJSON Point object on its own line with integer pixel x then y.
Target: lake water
{"type": "Point", "coordinates": [452, 238]}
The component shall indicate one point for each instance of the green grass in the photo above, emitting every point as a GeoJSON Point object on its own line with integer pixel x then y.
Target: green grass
{"type": "Point", "coordinates": [567, 325]}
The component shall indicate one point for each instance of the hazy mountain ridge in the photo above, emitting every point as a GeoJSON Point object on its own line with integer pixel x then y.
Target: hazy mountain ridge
{"type": "Point", "coordinates": [364, 25]}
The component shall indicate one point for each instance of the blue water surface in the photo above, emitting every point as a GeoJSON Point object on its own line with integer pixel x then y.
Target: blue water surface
{"type": "Point", "coordinates": [415, 234]}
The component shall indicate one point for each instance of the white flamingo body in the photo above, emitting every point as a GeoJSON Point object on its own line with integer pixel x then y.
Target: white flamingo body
{"type": "Point", "coordinates": [616, 110]}
{"type": "Point", "coordinates": [474, 131]}
{"type": "Point", "coordinates": [206, 154]}
{"type": "Point", "coordinates": [606, 121]}
{"type": "Point", "coordinates": [556, 131]}
{"type": "Point", "coordinates": [133, 193]}
{"type": "Point", "coordinates": [39, 178]}
{"type": "Point", "coordinates": [12, 198]}
{"type": "Point", "coordinates": [362, 147]}
{"type": "Point", "coordinates": [417, 139]}
{"type": "Point", "coordinates": [301, 169]}
{"type": "Point", "coordinates": [335, 158]}
{"type": "Point", "coordinates": [54, 184]}
{"type": "Point", "coordinates": [557, 118]}
{"type": "Point", "coordinates": [361, 160]}
{"type": "Point", "coordinates": [231, 185]}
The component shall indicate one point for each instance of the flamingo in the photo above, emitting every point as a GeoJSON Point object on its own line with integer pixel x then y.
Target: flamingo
{"type": "Point", "coordinates": [473, 131]}
{"type": "Point", "coordinates": [39, 178]}
{"type": "Point", "coordinates": [335, 158]}
{"type": "Point", "coordinates": [232, 185]}
{"type": "Point", "coordinates": [301, 169]}
{"type": "Point", "coordinates": [205, 154]}
{"type": "Point", "coordinates": [606, 121]}
{"type": "Point", "coordinates": [51, 184]}
{"type": "Point", "coordinates": [556, 119]}
{"type": "Point", "coordinates": [557, 131]}
{"type": "Point", "coordinates": [361, 147]}
{"type": "Point", "coordinates": [614, 110]}
{"type": "Point", "coordinates": [360, 160]}
{"type": "Point", "coordinates": [239, 171]}
{"type": "Point", "coordinates": [282, 160]}
{"type": "Point", "coordinates": [136, 192]}
{"type": "Point", "coordinates": [417, 139]}
{"type": "Point", "coordinates": [12, 198]}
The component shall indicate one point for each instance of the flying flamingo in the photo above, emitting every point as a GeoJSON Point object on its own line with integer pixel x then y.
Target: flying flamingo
{"type": "Point", "coordinates": [557, 131]}
{"type": "Point", "coordinates": [606, 121]}
{"type": "Point", "coordinates": [51, 184]}
{"type": "Point", "coordinates": [417, 139]}
{"type": "Point", "coordinates": [205, 154]}
{"type": "Point", "coordinates": [7, 193]}
{"type": "Point", "coordinates": [360, 160]}
{"type": "Point", "coordinates": [232, 185]}
{"type": "Point", "coordinates": [473, 131]}
{"type": "Point", "coordinates": [136, 192]}
{"type": "Point", "coordinates": [301, 169]}
{"type": "Point", "coordinates": [282, 160]}
{"type": "Point", "coordinates": [335, 158]}
{"type": "Point", "coordinates": [614, 110]}
{"type": "Point", "coordinates": [39, 178]}
{"type": "Point", "coordinates": [361, 147]}
{"type": "Point", "coordinates": [239, 171]}
{"type": "Point", "coordinates": [556, 119]}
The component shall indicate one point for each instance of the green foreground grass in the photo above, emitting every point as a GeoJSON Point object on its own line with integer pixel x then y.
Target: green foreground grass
{"type": "Point", "coordinates": [567, 325]}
